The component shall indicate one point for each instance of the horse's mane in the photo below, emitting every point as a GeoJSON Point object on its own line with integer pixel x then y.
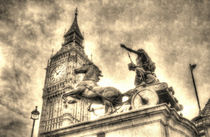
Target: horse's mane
{"type": "Point", "coordinates": [96, 68]}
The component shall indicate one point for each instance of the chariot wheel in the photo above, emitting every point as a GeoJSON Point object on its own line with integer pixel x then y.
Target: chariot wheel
{"type": "Point", "coordinates": [144, 98]}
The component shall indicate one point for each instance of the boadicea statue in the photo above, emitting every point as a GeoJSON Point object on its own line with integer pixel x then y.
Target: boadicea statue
{"type": "Point", "coordinates": [144, 67]}
{"type": "Point", "coordinates": [148, 90]}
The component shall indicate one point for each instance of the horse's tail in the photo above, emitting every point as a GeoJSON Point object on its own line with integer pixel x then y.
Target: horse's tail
{"type": "Point", "coordinates": [115, 96]}
{"type": "Point", "coordinates": [118, 100]}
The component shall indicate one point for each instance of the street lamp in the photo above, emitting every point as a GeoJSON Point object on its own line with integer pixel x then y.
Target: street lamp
{"type": "Point", "coordinates": [34, 116]}
{"type": "Point", "coordinates": [192, 67]}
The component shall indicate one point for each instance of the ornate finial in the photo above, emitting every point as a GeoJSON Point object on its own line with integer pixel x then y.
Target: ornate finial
{"type": "Point", "coordinates": [76, 12]}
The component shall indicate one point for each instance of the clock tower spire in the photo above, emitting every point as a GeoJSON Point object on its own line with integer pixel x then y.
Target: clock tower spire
{"type": "Point", "coordinates": [73, 35]}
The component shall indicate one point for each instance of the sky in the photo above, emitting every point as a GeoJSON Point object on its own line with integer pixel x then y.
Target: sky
{"type": "Point", "coordinates": [173, 33]}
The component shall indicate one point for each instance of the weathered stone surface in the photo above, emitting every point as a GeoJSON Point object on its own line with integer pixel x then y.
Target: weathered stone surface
{"type": "Point", "coordinates": [154, 121]}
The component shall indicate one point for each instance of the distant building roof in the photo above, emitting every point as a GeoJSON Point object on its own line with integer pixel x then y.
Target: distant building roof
{"type": "Point", "coordinates": [206, 109]}
{"type": "Point", "coordinates": [202, 121]}
{"type": "Point", "coordinates": [204, 113]}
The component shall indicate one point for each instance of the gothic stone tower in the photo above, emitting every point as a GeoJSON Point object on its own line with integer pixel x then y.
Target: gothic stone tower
{"type": "Point", "coordinates": [59, 78]}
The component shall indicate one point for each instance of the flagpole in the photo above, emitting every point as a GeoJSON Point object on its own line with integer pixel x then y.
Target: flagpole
{"type": "Point", "coordinates": [196, 92]}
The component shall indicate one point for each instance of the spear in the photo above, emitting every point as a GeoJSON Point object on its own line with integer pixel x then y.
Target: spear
{"type": "Point", "coordinates": [130, 58]}
{"type": "Point", "coordinates": [123, 46]}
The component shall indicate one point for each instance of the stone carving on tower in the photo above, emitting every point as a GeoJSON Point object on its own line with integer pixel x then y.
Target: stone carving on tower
{"type": "Point", "coordinates": [60, 77]}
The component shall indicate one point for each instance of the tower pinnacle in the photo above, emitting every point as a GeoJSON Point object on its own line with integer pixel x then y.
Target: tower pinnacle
{"type": "Point", "coordinates": [74, 34]}
{"type": "Point", "coordinates": [76, 12]}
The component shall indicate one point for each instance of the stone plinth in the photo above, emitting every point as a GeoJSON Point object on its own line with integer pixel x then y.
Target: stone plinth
{"type": "Point", "coordinates": [154, 121]}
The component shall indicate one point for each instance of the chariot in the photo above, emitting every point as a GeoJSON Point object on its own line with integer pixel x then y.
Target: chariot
{"type": "Point", "coordinates": [153, 95]}
{"type": "Point", "coordinates": [111, 98]}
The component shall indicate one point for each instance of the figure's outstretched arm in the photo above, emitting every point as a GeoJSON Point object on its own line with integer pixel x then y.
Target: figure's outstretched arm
{"type": "Point", "coordinates": [128, 49]}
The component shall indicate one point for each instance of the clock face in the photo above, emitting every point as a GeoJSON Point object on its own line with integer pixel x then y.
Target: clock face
{"type": "Point", "coordinates": [58, 73]}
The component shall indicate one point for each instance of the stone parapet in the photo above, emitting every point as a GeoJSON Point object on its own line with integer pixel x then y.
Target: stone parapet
{"type": "Point", "coordinates": [154, 121]}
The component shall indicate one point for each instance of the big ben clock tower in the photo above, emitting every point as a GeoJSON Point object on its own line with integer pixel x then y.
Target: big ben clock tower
{"type": "Point", "coordinates": [59, 78]}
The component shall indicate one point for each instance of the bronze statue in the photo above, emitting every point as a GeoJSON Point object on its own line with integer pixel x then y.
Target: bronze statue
{"type": "Point", "coordinates": [144, 69]}
{"type": "Point", "coordinates": [109, 96]}
{"type": "Point", "coordinates": [148, 91]}
{"type": "Point", "coordinates": [88, 88]}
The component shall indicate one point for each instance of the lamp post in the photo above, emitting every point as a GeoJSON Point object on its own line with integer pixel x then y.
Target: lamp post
{"type": "Point", "coordinates": [192, 66]}
{"type": "Point", "coordinates": [34, 116]}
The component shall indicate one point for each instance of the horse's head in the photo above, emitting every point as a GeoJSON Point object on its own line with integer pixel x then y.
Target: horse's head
{"type": "Point", "coordinates": [92, 72]}
{"type": "Point", "coordinates": [82, 69]}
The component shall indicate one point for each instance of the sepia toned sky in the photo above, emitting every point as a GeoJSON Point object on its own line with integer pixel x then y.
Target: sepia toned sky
{"type": "Point", "coordinates": [173, 33]}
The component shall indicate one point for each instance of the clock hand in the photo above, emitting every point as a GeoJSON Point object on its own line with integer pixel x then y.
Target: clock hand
{"type": "Point", "coordinates": [58, 72]}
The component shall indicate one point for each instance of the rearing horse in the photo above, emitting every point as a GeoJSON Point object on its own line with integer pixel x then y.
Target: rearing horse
{"type": "Point", "coordinates": [88, 88]}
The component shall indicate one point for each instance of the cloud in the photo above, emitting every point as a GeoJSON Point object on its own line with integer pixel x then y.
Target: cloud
{"type": "Point", "coordinates": [12, 123]}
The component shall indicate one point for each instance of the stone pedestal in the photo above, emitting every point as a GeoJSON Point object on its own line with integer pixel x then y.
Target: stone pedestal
{"type": "Point", "coordinates": [154, 121]}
